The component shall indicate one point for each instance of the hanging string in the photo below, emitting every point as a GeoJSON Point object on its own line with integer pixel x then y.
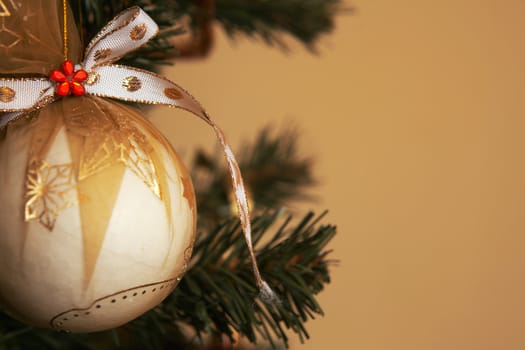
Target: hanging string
{"type": "Point", "coordinates": [65, 33]}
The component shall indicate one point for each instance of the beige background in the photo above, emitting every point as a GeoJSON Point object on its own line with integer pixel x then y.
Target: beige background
{"type": "Point", "coordinates": [415, 111]}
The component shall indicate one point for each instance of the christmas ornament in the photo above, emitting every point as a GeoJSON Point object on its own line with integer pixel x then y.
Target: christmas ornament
{"type": "Point", "coordinates": [108, 221]}
{"type": "Point", "coordinates": [98, 213]}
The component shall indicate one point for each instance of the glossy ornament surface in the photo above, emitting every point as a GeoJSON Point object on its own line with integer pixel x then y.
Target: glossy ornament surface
{"type": "Point", "coordinates": [98, 215]}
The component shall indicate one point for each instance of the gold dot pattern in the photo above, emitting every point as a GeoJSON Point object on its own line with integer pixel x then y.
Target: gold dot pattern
{"type": "Point", "coordinates": [172, 93]}
{"type": "Point", "coordinates": [138, 32]}
{"type": "Point", "coordinates": [101, 54]}
{"type": "Point", "coordinates": [7, 94]}
{"type": "Point", "coordinates": [123, 299]}
{"type": "Point", "coordinates": [131, 83]}
{"type": "Point", "coordinates": [93, 78]}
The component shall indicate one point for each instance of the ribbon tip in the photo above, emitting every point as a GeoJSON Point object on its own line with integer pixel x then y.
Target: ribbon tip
{"type": "Point", "coordinates": [267, 295]}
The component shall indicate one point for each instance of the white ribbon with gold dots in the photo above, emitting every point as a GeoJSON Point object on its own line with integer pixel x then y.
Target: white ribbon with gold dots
{"type": "Point", "coordinates": [127, 32]}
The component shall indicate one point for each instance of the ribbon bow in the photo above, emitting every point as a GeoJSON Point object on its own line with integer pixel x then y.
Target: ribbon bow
{"type": "Point", "coordinates": [127, 32]}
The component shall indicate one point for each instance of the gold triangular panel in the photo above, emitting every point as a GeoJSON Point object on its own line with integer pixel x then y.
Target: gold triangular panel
{"type": "Point", "coordinates": [99, 154]}
{"type": "Point", "coordinates": [110, 138]}
{"type": "Point", "coordinates": [99, 174]}
{"type": "Point", "coordinates": [98, 194]}
{"type": "Point", "coordinates": [4, 11]}
{"type": "Point", "coordinates": [139, 160]}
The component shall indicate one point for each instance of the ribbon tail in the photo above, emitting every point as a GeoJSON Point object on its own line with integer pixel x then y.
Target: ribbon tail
{"type": "Point", "coordinates": [137, 85]}
{"type": "Point", "coordinates": [265, 292]}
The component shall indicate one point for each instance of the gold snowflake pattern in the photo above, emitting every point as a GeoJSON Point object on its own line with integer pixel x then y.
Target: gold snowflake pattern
{"type": "Point", "coordinates": [128, 149]}
{"type": "Point", "coordinates": [49, 190]}
{"type": "Point", "coordinates": [98, 154]}
{"type": "Point", "coordinates": [127, 146]}
{"type": "Point", "coordinates": [109, 140]}
{"type": "Point", "coordinates": [141, 164]}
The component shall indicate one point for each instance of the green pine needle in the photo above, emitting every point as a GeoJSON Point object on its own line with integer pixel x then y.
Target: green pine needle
{"type": "Point", "coordinates": [270, 20]}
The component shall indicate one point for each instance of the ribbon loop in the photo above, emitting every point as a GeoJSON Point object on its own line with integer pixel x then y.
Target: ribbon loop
{"type": "Point", "coordinates": [127, 32]}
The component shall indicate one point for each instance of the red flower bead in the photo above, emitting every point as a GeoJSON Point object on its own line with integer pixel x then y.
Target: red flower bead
{"type": "Point", "coordinates": [69, 81]}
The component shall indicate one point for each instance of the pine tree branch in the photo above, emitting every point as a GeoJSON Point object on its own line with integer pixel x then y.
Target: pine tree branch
{"type": "Point", "coordinates": [218, 297]}
{"type": "Point", "coordinates": [270, 20]}
{"type": "Point", "coordinates": [304, 20]}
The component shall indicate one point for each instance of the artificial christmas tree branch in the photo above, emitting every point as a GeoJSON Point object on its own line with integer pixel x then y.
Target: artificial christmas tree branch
{"type": "Point", "coordinates": [220, 291]}
{"type": "Point", "coordinates": [304, 20]}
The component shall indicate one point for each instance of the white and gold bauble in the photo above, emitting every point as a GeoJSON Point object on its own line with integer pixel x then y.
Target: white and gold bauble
{"type": "Point", "coordinates": [97, 216]}
{"type": "Point", "coordinates": [107, 221]}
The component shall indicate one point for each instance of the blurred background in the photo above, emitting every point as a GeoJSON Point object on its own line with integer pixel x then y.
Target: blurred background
{"type": "Point", "coordinates": [414, 111]}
